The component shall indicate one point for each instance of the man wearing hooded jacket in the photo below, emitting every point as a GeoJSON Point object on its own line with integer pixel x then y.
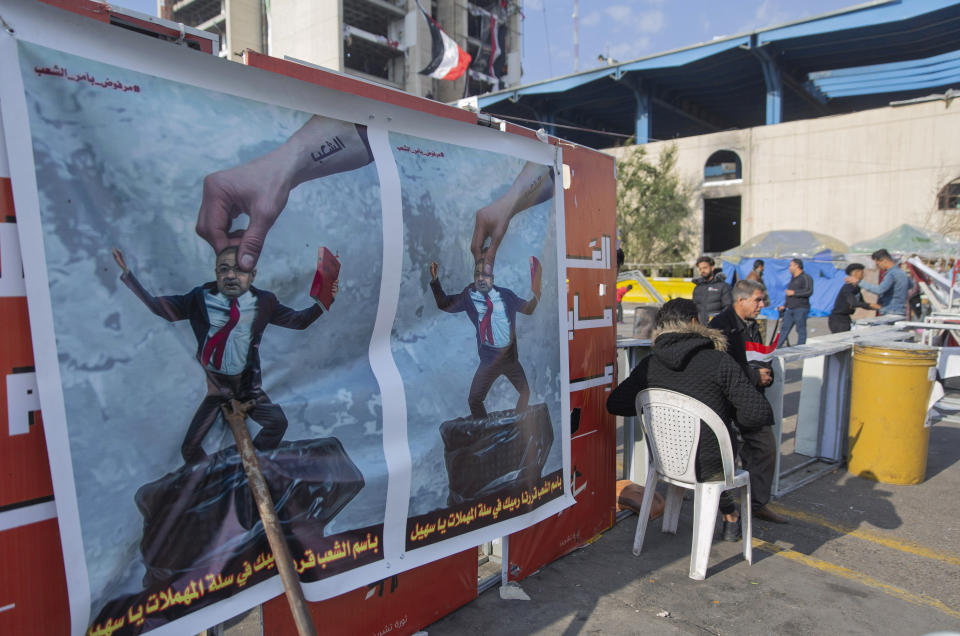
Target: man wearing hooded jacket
{"type": "Point", "coordinates": [690, 358]}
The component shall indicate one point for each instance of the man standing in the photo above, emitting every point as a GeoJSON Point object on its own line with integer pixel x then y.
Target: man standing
{"type": "Point", "coordinates": [688, 358]}
{"type": "Point", "coordinates": [757, 272]}
{"type": "Point", "coordinates": [759, 450]}
{"type": "Point", "coordinates": [892, 290]}
{"type": "Point", "coordinates": [797, 306]}
{"type": "Point", "coordinates": [848, 299]}
{"type": "Point", "coordinates": [712, 293]}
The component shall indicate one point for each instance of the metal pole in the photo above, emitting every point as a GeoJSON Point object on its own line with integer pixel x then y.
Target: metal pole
{"type": "Point", "coordinates": [235, 413]}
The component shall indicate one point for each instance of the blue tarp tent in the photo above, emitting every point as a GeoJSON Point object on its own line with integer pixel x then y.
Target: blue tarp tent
{"type": "Point", "coordinates": [827, 281]}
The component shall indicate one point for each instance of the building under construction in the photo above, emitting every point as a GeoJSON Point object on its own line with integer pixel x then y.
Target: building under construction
{"type": "Point", "coordinates": [384, 41]}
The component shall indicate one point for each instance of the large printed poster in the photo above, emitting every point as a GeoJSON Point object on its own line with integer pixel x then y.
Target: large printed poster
{"type": "Point", "coordinates": [383, 298]}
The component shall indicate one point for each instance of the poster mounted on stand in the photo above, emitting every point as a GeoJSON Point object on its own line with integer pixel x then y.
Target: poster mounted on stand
{"type": "Point", "coordinates": [175, 211]}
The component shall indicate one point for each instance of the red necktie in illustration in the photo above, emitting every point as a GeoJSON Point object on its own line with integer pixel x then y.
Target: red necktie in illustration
{"type": "Point", "coordinates": [486, 329]}
{"type": "Point", "coordinates": [217, 343]}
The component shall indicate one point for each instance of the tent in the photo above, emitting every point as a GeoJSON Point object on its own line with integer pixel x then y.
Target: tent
{"type": "Point", "coordinates": [788, 244]}
{"type": "Point", "coordinates": [776, 248]}
{"type": "Point", "coordinates": [909, 239]}
{"type": "Point", "coordinates": [827, 281]}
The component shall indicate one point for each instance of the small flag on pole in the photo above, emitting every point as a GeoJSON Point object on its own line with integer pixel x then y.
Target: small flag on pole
{"type": "Point", "coordinates": [449, 61]}
{"type": "Point", "coordinates": [759, 352]}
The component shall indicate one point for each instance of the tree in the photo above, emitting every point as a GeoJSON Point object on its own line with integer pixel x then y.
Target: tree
{"type": "Point", "coordinates": [653, 208]}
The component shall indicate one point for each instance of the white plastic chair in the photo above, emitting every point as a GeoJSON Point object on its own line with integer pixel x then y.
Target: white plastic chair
{"type": "Point", "coordinates": [671, 426]}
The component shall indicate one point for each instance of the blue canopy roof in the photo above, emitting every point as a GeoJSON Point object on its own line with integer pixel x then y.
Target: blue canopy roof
{"type": "Point", "coordinates": [857, 58]}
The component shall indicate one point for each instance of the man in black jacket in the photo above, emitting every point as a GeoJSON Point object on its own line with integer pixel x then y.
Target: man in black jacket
{"type": "Point", "coordinates": [797, 306]}
{"type": "Point", "coordinates": [712, 293]}
{"type": "Point", "coordinates": [759, 451]}
{"type": "Point", "coordinates": [689, 358]}
{"type": "Point", "coordinates": [847, 301]}
{"type": "Point", "coordinates": [738, 322]}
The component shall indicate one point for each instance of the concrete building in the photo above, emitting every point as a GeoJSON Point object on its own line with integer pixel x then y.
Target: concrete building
{"type": "Point", "coordinates": [843, 123]}
{"type": "Point", "coordinates": [851, 176]}
{"type": "Point", "coordinates": [384, 41]}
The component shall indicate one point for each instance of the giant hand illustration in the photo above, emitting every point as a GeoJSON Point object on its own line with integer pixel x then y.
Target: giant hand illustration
{"type": "Point", "coordinates": [533, 185]}
{"type": "Point", "coordinates": [260, 188]}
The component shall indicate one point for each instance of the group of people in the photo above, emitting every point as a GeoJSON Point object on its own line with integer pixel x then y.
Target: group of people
{"type": "Point", "coordinates": [710, 364]}
{"type": "Point", "coordinates": [707, 348]}
{"type": "Point", "coordinates": [712, 294]}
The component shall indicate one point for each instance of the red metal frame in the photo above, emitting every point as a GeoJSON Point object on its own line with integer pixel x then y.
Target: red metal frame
{"type": "Point", "coordinates": [416, 597]}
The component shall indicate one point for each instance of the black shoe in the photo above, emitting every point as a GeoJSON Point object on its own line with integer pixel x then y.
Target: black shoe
{"type": "Point", "coordinates": [731, 531]}
{"type": "Point", "coordinates": [762, 512]}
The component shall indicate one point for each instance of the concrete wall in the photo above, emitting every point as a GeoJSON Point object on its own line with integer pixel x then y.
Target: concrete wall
{"type": "Point", "coordinates": [452, 16]}
{"type": "Point", "coordinates": [243, 27]}
{"type": "Point", "coordinates": [418, 56]}
{"type": "Point", "coordinates": [308, 30]}
{"type": "Point", "coordinates": [851, 176]}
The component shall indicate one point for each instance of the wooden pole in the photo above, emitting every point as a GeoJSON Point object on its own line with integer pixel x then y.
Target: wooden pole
{"type": "Point", "coordinates": [235, 413]}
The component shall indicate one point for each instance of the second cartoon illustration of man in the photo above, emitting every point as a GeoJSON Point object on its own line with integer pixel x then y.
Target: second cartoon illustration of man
{"type": "Point", "coordinates": [228, 317]}
{"type": "Point", "coordinates": [493, 312]}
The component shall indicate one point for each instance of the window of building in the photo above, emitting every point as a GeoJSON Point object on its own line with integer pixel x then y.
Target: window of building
{"type": "Point", "coordinates": [949, 197]}
{"type": "Point", "coordinates": [371, 40]}
{"type": "Point", "coordinates": [723, 165]}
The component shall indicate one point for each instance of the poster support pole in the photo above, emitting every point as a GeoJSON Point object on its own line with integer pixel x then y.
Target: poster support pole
{"type": "Point", "coordinates": [235, 413]}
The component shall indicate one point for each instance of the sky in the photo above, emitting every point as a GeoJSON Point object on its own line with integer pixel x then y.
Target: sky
{"type": "Point", "coordinates": [627, 29]}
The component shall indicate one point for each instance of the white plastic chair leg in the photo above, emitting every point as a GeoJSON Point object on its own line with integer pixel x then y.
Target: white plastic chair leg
{"type": "Point", "coordinates": [706, 502]}
{"type": "Point", "coordinates": [746, 523]}
{"type": "Point", "coordinates": [644, 517]}
{"type": "Point", "coordinates": [671, 511]}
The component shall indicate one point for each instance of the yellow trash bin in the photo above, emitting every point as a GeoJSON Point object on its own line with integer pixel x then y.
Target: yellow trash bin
{"type": "Point", "coordinates": [889, 391]}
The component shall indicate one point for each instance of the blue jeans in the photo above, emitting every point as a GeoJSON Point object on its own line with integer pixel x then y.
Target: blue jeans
{"type": "Point", "coordinates": [791, 317]}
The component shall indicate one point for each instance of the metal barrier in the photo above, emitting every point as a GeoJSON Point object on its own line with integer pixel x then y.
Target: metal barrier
{"type": "Point", "coordinates": [629, 353]}
{"type": "Point", "coordinates": [824, 401]}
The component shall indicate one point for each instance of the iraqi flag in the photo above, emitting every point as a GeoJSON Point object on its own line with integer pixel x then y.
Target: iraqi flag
{"type": "Point", "coordinates": [759, 352]}
{"type": "Point", "coordinates": [449, 61]}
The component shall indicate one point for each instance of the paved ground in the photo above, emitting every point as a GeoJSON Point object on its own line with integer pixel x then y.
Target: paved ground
{"type": "Point", "coordinates": [857, 558]}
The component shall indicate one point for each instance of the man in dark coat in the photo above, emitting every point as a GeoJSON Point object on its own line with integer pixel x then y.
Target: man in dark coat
{"type": "Point", "coordinates": [689, 358]}
{"type": "Point", "coordinates": [228, 317]}
{"type": "Point", "coordinates": [738, 322]}
{"type": "Point", "coordinates": [712, 293]}
{"type": "Point", "coordinates": [759, 450]}
{"type": "Point", "coordinates": [796, 308]}
{"type": "Point", "coordinates": [848, 300]}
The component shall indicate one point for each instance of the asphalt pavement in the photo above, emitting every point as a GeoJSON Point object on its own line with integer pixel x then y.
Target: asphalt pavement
{"type": "Point", "coordinates": [858, 557]}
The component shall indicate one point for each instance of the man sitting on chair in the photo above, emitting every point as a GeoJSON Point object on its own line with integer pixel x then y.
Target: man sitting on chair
{"type": "Point", "coordinates": [690, 358]}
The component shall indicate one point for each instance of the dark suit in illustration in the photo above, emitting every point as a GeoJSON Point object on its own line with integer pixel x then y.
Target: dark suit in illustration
{"type": "Point", "coordinates": [245, 385]}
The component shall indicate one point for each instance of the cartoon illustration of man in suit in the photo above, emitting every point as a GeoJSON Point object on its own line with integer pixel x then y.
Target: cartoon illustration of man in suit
{"type": "Point", "coordinates": [493, 312]}
{"type": "Point", "coordinates": [228, 317]}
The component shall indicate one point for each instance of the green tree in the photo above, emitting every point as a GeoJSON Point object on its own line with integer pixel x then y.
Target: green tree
{"type": "Point", "coordinates": [653, 208]}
